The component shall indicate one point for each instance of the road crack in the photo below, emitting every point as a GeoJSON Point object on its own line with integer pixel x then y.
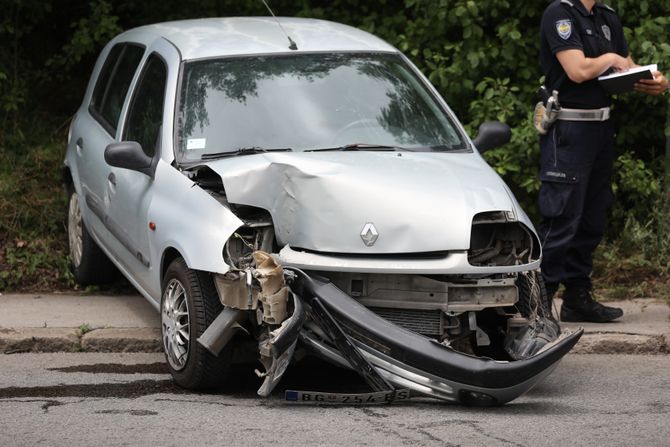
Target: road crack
{"type": "Point", "coordinates": [133, 389]}
{"type": "Point", "coordinates": [46, 403]}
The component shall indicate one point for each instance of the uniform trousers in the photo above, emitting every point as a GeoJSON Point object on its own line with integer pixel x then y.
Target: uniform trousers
{"type": "Point", "coordinates": [576, 172]}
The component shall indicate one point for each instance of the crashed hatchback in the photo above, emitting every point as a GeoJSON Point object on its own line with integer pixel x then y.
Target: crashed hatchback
{"type": "Point", "coordinates": [298, 185]}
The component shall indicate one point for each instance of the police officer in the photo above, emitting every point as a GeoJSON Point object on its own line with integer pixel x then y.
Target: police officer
{"type": "Point", "coordinates": [580, 40]}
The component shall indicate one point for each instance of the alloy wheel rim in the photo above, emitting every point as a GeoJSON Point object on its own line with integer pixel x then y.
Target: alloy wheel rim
{"type": "Point", "coordinates": [75, 231]}
{"type": "Point", "coordinates": [175, 323]}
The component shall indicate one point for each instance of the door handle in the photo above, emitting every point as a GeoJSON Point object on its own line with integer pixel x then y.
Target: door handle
{"type": "Point", "coordinates": [79, 146]}
{"type": "Point", "coordinates": [112, 179]}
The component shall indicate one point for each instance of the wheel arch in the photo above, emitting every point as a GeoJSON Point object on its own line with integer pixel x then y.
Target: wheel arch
{"type": "Point", "coordinates": [68, 181]}
{"type": "Point", "coordinates": [169, 255]}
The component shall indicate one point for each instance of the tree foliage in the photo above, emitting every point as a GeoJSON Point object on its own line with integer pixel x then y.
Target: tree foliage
{"type": "Point", "coordinates": [482, 55]}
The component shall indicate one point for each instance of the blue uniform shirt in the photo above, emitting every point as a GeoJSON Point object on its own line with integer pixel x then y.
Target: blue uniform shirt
{"type": "Point", "coordinates": [566, 24]}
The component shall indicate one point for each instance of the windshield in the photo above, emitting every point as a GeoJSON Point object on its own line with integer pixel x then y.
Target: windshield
{"type": "Point", "coordinates": [308, 102]}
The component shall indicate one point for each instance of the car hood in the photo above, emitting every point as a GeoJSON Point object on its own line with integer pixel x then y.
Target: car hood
{"type": "Point", "coordinates": [321, 201]}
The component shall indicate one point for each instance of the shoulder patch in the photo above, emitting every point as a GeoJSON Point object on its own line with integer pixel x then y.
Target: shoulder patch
{"type": "Point", "coordinates": [564, 28]}
{"type": "Point", "coordinates": [568, 2]}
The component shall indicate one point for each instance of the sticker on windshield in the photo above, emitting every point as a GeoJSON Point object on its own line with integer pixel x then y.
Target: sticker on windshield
{"type": "Point", "coordinates": [196, 143]}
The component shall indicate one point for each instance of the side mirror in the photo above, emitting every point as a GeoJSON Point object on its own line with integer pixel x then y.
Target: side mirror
{"type": "Point", "coordinates": [129, 155]}
{"type": "Point", "coordinates": [492, 134]}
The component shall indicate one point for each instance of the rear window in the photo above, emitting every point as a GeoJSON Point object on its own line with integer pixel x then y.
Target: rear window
{"type": "Point", "coordinates": [112, 86]}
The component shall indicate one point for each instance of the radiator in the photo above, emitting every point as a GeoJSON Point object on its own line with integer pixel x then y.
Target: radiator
{"type": "Point", "coordinates": [424, 322]}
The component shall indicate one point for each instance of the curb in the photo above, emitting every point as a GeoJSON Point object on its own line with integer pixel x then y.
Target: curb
{"type": "Point", "coordinates": [618, 343]}
{"type": "Point", "coordinates": [37, 340]}
{"type": "Point", "coordinates": [122, 340]}
{"type": "Point", "coordinates": [13, 341]}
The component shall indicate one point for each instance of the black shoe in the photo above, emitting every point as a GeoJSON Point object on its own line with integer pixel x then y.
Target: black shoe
{"type": "Point", "coordinates": [580, 306]}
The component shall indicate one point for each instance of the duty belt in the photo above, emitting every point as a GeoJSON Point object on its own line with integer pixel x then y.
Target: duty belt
{"type": "Point", "coordinates": [584, 114]}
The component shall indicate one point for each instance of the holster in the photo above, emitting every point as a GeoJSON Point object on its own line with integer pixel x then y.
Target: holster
{"type": "Point", "coordinates": [546, 113]}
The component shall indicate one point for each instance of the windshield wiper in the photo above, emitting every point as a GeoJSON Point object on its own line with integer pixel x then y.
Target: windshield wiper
{"type": "Point", "coordinates": [448, 148]}
{"type": "Point", "coordinates": [361, 147]}
{"type": "Point", "coordinates": [243, 151]}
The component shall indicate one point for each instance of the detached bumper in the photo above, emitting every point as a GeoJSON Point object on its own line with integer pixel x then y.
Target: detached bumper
{"type": "Point", "coordinates": [405, 359]}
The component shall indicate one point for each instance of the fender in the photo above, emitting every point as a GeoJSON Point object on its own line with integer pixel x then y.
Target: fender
{"type": "Point", "coordinates": [180, 207]}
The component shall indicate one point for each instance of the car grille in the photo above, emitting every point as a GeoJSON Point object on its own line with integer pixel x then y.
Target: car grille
{"type": "Point", "coordinates": [424, 322]}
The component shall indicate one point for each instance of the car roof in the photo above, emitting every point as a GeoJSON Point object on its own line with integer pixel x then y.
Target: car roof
{"type": "Point", "coordinates": [205, 38]}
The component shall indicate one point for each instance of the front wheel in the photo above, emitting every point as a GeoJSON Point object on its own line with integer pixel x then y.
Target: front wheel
{"type": "Point", "coordinates": [189, 304]}
{"type": "Point", "coordinates": [533, 298]}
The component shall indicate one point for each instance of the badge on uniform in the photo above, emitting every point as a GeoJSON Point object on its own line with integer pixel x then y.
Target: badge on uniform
{"type": "Point", "coordinates": [606, 32]}
{"type": "Point", "coordinates": [564, 28]}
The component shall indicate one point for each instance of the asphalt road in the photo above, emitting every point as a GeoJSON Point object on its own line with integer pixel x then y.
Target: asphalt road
{"type": "Point", "coordinates": [128, 399]}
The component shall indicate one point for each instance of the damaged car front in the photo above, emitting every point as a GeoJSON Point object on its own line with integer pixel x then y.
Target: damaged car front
{"type": "Point", "coordinates": [320, 197]}
{"type": "Point", "coordinates": [406, 256]}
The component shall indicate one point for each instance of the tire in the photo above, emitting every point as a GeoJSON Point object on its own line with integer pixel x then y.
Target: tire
{"type": "Point", "coordinates": [530, 302]}
{"type": "Point", "coordinates": [88, 263]}
{"type": "Point", "coordinates": [189, 304]}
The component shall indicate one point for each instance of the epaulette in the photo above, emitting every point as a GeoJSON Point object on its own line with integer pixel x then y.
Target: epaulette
{"type": "Point", "coordinates": [608, 7]}
{"type": "Point", "coordinates": [568, 2]}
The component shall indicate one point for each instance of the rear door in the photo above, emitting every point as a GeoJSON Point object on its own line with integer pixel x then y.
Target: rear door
{"type": "Point", "coordinates": [98, 128]}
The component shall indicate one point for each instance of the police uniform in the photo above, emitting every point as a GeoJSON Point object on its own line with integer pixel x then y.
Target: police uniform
{"type": "Point", "coordinates": [576, 155]}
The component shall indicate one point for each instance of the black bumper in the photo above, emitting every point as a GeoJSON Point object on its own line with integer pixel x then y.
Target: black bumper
{"type": "Point", "coordinates": [410, 360]}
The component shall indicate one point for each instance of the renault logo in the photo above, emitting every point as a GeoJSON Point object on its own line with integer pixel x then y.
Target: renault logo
{"type": "Point", "coordinates": [369, 234]}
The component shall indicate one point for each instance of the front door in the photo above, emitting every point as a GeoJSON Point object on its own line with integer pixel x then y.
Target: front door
{"type": "Point", "coordinates": [131, 192]}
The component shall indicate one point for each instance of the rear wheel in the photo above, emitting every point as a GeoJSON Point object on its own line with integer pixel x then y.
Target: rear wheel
{"type": "Point", "coordinates": [189, 304]}
{"type": "Point", "coordinates": [88, 263]}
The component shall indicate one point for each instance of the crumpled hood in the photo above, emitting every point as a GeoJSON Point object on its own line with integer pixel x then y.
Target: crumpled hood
{"type": "Point", "coordinates": [418, 202]}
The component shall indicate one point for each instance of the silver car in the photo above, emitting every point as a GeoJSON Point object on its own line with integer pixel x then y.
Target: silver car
{"type": "Point", "coordinates": [294, 184]}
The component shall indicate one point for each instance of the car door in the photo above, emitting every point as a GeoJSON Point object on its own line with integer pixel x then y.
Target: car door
{"type": "Point", "coordinates": [97, 127]}
{"type": "Point", "coordinates": [130, 192]}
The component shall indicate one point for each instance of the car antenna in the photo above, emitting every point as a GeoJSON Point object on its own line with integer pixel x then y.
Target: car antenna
{"type": "Point", "coordinates": [292, 45]}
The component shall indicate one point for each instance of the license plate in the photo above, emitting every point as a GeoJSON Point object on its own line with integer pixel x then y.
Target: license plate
{"type": "Point", "coordinates": [380, 397]}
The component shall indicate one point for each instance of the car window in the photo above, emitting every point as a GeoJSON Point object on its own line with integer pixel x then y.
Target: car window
{"type": "Point", "coordinates": [105, 74]}
{"type": "Point", "coordinates": [146, 110]}
{"type": "Point", "coordinates": [309, 102]}
{"type": "Point", "coordinates": [112, 85]}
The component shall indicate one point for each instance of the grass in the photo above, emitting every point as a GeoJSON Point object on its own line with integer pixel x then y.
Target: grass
{"type": "Point", "coordinates": [637, 264]}
{"type": "Point", "coordinates": [33, 240]}
{"type": "Point", "coordinates": [83, 328]}
{"type": "Point", "coordinates": [649, 288]}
